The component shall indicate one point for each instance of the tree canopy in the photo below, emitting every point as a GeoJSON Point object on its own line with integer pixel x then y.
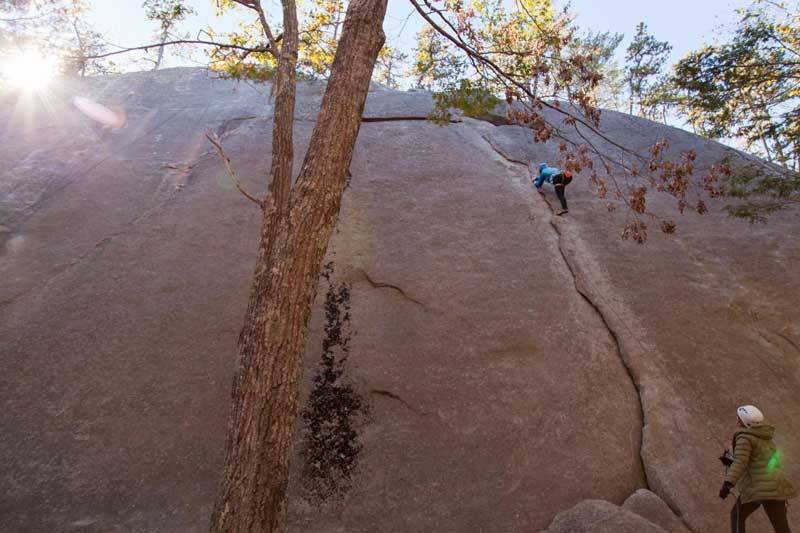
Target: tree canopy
{"type": "Point", "coordinates": [747, 88]}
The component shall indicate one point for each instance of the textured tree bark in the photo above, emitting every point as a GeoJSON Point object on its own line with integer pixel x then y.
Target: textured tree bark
{"type": "Point", "coordinates": [296, 227]}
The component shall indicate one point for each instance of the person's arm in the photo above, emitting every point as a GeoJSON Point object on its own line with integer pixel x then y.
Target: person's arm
{"type": "Point", "coordinates": [539, 180]}
{"type": "Point", "coordinates": [741, 458]}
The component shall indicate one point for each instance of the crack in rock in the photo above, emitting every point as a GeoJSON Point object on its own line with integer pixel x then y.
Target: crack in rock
{"type": "Point", "coordinates": [402, 118]}
{"type": "Point", "coordinates": [393, 396]}
{"type": "Point", "coordinates": [623, 356]}
{"type": "Point", "coordinates": [231, 124]}
{"type": "Point", "coordinates": [382, 285]}
{"type": "Point", "coordinates": [517, 350]}
{"type": "Point", "coordinates": [787, 339]}
{"type": "Point", "coordinates": [503, 154]}
{"type": "Point", "coordinates": [588, 298]}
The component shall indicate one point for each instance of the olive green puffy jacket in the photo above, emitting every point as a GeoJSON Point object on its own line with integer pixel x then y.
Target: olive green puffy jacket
{"type": "Point", "coordinates": [757, 467]}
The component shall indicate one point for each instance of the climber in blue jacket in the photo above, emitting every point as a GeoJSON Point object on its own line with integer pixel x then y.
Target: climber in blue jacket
{"type": "Point", "coordinates": [558, 179]}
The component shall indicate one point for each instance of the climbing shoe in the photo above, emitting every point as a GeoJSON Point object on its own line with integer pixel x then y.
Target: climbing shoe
{"type": "Point", "coordinates": [562, 212]}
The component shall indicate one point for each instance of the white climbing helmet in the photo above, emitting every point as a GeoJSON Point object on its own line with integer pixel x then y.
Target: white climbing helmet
{"type": "Point", "coordinates": [750, 415]}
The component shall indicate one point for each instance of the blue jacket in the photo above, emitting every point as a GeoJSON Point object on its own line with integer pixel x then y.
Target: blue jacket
{"type": "Point", "coordinates": [546, 174]}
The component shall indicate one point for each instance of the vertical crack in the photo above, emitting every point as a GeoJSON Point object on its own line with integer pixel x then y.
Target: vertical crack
{"type": "Point", "coordinates": [587, 297]}
{"type": "Point", "coordinates": [620, 352]}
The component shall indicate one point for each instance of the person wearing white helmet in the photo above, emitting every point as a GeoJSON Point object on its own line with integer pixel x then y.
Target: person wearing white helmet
{"type": "Point", "coordinates": [756, 472]}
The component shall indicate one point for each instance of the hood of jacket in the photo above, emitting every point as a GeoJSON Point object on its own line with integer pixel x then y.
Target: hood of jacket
{"type": "Point", "coordinates": [762, 432]}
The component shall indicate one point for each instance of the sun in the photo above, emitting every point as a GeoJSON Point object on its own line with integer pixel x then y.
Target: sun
{"type": "Point", "coordinates": [28, 69]}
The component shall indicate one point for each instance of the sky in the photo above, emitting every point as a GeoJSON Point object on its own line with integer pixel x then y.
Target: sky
{"type": "Point", "coordinates": [686, 24]}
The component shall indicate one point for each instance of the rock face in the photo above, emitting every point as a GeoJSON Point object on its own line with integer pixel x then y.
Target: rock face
{"type": "Point", "coordinates": [516, 363]}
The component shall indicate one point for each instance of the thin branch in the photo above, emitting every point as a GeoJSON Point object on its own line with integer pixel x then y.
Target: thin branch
{"type": "Point", "coordinates": [32, 17]}
{"type": "Point", "coordinates": [227, 161]}
{"type": "Point", "coordinates": [180, 41]}
{"type": "Point", "coordinates": [459, 42]}
{"type": "Point", "coordinates": [255, 5]}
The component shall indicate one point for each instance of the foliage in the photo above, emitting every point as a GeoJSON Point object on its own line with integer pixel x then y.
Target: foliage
{"type": "Point", "coordinates": [57, 28]}
{"type": "Point", "coordinates": [389, 67]}
{"type": "Point", "coordinates": [600, 47]}
{"type": "Point", "coordinates": [530, 41]}
{"type": "Point", "coordinates": [436, 64]}
{"type": "Point", "coordinates": [23, 21]}
{"type": "Point", "coordinates": [473, 99]}
{"type": "Point", "coordinates": [168, 13]}
{"type": "Point", "coordinates": [761, 190]}
{"type": "Point", "coordinates": [748, 88]}
{"type": "Point", "coordinates": [241, 64]}
{"type": "Point", "coordinates": [320, 27]}
{"type": "Point", "coordinates": [645, 59]}
{"type": "Point", "coordinates": [546, 71]}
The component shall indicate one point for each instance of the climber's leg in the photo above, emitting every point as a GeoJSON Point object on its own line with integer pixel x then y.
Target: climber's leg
{"type": "Point", "coordinates": [776, 511]}
{"type": "Point", "coordinates": [739, 514]}
{"type": "Point", "coordinates": [560, 188]}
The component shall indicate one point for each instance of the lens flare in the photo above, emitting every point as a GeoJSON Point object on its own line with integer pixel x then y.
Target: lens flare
{"type": "Point", "coordinates": [109, 118]}
{"type": "Point", "coordinates": [28, 69]}
{"type": "Point", "coordinates": [773, 461]}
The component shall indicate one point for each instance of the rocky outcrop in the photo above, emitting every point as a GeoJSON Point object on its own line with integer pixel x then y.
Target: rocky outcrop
{"type": "Point", "coordinates": [598, 516]}
{"type": "Point", "coordinates": [517, 364]}
{"type": "Point", "coordinates": [642, 512]}
{"type": "Point", "coordinates": [649, 506]}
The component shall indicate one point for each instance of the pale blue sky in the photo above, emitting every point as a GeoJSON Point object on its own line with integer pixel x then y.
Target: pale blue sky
{"type": "Point", "coordinates": [686, 24]}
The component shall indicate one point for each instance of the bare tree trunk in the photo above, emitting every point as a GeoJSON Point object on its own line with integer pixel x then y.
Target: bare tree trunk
{"type": "Point", "coordinates": [80, 47]}
{"type": "Point", "coordinates": [160, 58]}
{"type": "Point", "coordinates": [296, 228]}
{"type": "Point", "coordinates": [766, 148]}
{"type": "Point", "coordinates": [630, 96]}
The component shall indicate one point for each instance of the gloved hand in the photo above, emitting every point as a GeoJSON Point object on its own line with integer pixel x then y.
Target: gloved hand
{"type": "Point", "coordinates": [725, 490]}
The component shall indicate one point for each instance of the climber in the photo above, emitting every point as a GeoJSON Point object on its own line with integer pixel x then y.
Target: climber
{"type": "Point", "coordinates": [757, 469]}
{"type": "Point", "coordinates": [559, 179]}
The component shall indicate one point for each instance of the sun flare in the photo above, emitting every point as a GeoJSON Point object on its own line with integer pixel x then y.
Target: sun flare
{"type": "Point", "coordinates": [28, 69]}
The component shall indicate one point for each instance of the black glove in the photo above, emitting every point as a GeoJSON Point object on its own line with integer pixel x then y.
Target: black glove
{"type": "Point", "coordinates": [725, 490]}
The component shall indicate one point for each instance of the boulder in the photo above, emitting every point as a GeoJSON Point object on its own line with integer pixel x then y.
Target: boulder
{"type": "Point", "coordinates": [649, 506]}
{"type": "Point", "coordinates": [598, 516]}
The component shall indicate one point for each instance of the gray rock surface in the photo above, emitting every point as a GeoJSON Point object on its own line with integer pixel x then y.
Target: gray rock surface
{"type": "Point", "coordinates": [649, 506]}
{"type": "Point", "coordinates": [598, 516]}
{"type": "Point", "coordinates": [517, 363]}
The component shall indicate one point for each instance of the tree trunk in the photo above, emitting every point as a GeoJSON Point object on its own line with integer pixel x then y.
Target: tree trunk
{"type": "Point", "coordinates": [766, 148]}
{"type": "Point", "coordinates": [160, 57]}
{"type": "Point", "coordinates": [296, 228]}
{"type": "Point", "coordinates": [630, 96]}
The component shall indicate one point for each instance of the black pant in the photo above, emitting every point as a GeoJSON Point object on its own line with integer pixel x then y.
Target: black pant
{"type": "Point", "coordinates": [560, 188]}
{"type": "Point", "coordinates": [776, 511]}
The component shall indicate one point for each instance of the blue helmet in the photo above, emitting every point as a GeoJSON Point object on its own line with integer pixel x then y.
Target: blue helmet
{"type": "Point", "coordinates": [542, 166]}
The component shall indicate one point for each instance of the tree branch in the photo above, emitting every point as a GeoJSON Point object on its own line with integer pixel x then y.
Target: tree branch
{"type": "Point", "coordinates": [255, 5]}
{"type": "Point", "coordinates": [227, 161]}
{"type": "Point", "coordinates": [179, 41]}
{"type": "Point", "coordinates": [283, 123]}
{"type": "Point", "coordinates": [506, 76]}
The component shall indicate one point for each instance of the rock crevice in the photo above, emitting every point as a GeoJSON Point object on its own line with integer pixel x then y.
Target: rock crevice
{"type": "Point", "coordinates": [399, 399]}
{"type": "Point", "coordinates": [587, 296]}
{"type": "Point", "coordinates": [383, 285]}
